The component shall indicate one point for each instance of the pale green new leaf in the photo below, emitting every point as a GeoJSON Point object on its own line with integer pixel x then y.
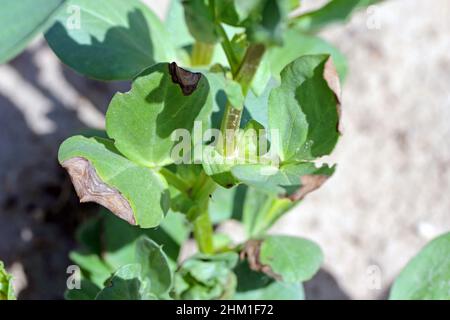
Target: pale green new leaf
{"type": "Point", "coordinates": [21, 21]}
{"type": "Point", "coordinates": [305, 109]}
{"type": "Point", "coordinates": [427, 275]}
{"type": "Point", "coordinates": [109, 39]}
{"type": "Point", "coordinates": [142, 121]}
{"type": "Point", "coordinates": [143, 189]}
{"type": "Point", "coordinates": [293, 259]}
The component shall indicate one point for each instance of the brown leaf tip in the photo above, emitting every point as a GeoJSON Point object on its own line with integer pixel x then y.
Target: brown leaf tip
{"type": "Point", "coordinates": [309, 184]}
{"type": "Point", "coordinates": [90, 188]}
{"type": "Point", "coordinates": [332, 78]}
{"type": "Point", "coordinates": [251, 252]}
{"type": "Point", "coordinates": [187, 80]}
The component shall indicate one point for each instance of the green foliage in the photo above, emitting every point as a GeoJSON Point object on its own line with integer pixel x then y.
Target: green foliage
{"type": "Point", "coordinates": [267, 85]}
{"type": "Point", "coordinates": [6, 285]}
{"type": "Point", "coordinates": [21, 21]}
{"type": "Point", "coordinates": [113, 40]}
{"type": "Point", "coordinates": [426, 276]}
{"type": "Point", "coordinates": [204, 277]}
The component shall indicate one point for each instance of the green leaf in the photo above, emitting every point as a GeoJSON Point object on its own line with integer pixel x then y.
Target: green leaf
{"type": "Point", "coordinates": [21, 21]}
{"type": "Point", "coordinates": [6, 284]}
{"type": "Point", "coordinates": [142, 121]}
{"type": "Point", "coordinates": [175, 24]}
{"type": "Point", "coordinates": [126, 284]}
{"type": "Point", "coordinates": [154, 266]}
{"type": "Point", "coordinates": [296, 44]}
{"type": "Point", "coordinates": [92, 266]}
{"type": "Point", "coordinates": [101, 174]}
{"type": "Point", "coordinates": [113, 39]}
{"type": "Point", "coordinates": [200, 21]}
{"type": "Point", "coordinates": [88, 291]}
{"type": "Point", "coordinates": [204, 277]}
{"type": "Point", "coordinates": [264, 20]}
{"type": "Point", "coordinates": [285, 258]}
{"type": "Point", "coordinates": [293, 181]}
{"type": "Point", "coordinates": [254, 285]}
{"type": "Point", "coordinates": [426, 276]}
{"type": "Point", "coordinates": [305, 109]}
{"type": "Point", "coordinates": [227, 203]}
{"type": "Point", "coordinates": [334, 11]}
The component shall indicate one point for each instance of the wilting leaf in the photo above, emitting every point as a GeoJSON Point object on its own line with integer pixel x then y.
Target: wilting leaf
{"type": "Point", "coordinates": [427, 275]}
{"type": "Point", "coordinates": [142, 121]}
{"type": "Point", "coordinates": [254, 285]}
{"type": "Point", "coordinates": [21, 21]}
{"type": "Point", "coordinates": [6, 285]}
{"type": "Point", "coordinates": [206, 277]}
{"type": "Point", "coordinates": [101, 174]}
{"type": "Point", "coordinates": [333, 11]}
{"type": "Point", "coordinates": [296, 44]}
{"type": "Point", "coordinates": [109, 39]}
{"type": "Point", "coordinates": [284, 258]}
{"type": "Point", "coordinates": [305, 109]}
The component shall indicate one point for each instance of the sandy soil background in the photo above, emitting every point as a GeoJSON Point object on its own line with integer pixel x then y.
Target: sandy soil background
{"type": "Point", "coordinates": [389, 196]}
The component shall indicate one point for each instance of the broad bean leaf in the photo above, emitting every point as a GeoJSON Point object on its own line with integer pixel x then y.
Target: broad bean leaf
{"type": "Point", "coordinates": [21, 21]}
{"type": "Point", "coordinates": [333, 11]}
{"type": "Point", "coordinates": [204, 277]}
{"type": "Point", "coordinates": [200, 21]}
{"type": "Point", "coordinates": [6, 284]}
{"type": "Point", "coordinates": [254, 285]}
{"type": "Point", "coordinates": [142, 121]}
{"type": "Point", "coordinates": [93, 267]}
{"type": "Point", "coordinates": [305, 109]}
{"type": "Point", "coordinates": [427, 275]}
{"type": "Point", "coordinates": [175, 24]}
{"type": "Point", "coordinates": [109, 39]}
{"type": "Point", "coordinates": [284, 258]}
{"type": "Point", "coordinates": [264, 20]}
{"type": "Point", "coordinates": [292, 181]}
{"type": "Point", "coordinates": [88, 291]}
{"type": "Point", "coordinates": [154, 266]}
{"type": "Point", "coordinates": [149, 277]}
{"type": "Point", "coordinates": [101, 174]}
{"type": "Point", "coordinates": [126, 284]}
{"type": "Point", "coordinates": [296, 44]}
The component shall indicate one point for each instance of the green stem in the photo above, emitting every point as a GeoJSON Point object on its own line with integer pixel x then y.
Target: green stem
{"type": "Point", "coordinates": [203, 228]}
{"type": "Point", "coordinates": [174, 180]}
{"type": "Point", "coordinates": [244, 76]}
{"type": "Point", "coordinates": [227, 48]}
{"type": "Point", "coordinates": [203, 233]}
{"type": "Point", "coordinates": [202, 53]}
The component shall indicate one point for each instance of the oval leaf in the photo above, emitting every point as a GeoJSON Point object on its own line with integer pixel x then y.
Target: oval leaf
{"type": "Point", "coordinates": [305, 109]}
{"type": "Point", "coordinates": [162, 99]}
{"type": "Point", "coordinates": [427, 275]}
{"type": "Point", "coordinates": [109, 39]}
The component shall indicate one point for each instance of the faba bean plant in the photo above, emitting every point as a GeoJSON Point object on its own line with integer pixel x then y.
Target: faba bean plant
{"type": "Point", "coordinates": [231, 104]}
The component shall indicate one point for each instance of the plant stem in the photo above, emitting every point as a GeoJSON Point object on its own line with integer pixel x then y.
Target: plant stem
{"type": "Point", "coordinates": [203, 233]}
{"type": "Point", "coordinates": [244, 76]}
{"type": "Point", "coordinates": [202, 53]}
{"type": "Point", "coordinates": [203, 228]}
{"type": "Point", "coordinates": [174, 180]}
